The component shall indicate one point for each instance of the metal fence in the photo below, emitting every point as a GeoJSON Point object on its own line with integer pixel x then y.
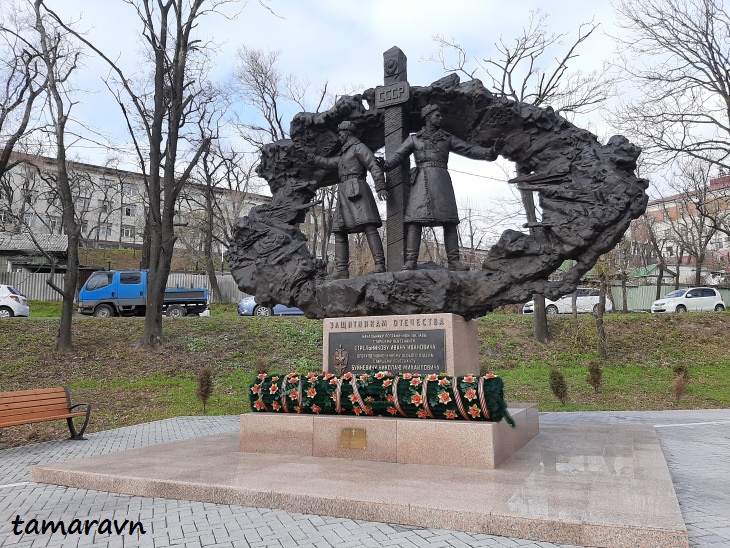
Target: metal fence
{"type": "Point", "coordinates": [640, 297]}
{"type": "Point", "coordinates": [35, 286]}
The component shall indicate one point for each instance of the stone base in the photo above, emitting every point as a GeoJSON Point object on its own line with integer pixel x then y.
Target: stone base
{"type": "Point", "coordinates": [465, 444]}
{"type": "Point", "coordinates": [398, 351]}
{"type": "Point", "coordinates": [586, 485]}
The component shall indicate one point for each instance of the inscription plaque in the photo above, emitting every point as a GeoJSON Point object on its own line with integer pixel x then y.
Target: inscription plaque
{"type": "Point", "coordinates": [408, 351]}
{"type": "Point", "coordinates": [353, 438]}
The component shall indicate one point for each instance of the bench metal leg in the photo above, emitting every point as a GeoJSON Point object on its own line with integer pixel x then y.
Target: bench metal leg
{"type": "Point", "coordinates": [80, 434]}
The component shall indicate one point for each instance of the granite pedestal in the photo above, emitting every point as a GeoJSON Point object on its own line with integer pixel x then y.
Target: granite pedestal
{"type": "Point", "coordinates": [466, 444]}
{"type": "Point", "coordinates": [586, 485]}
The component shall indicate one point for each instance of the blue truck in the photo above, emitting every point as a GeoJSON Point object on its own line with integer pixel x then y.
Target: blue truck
{"type": "Point", "coordinates": [124, 293]}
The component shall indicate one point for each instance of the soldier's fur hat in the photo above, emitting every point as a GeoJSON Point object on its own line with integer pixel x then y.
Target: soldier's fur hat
{"type": "Point", "coordinates": [347, 126]}
{"type": "Point", "coordinates": [428, 109]}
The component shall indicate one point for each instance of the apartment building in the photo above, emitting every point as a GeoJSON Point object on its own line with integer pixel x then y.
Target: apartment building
{"type": "Point", "coordinates": [109, 203]}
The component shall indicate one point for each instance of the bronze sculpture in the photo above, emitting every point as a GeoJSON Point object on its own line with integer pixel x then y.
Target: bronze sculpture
{"type": "Point", "coordinates": [356, 209]}
{"type": "Point", "coordinates": [431, 200]}
{"type": "Point", "coordinates": [587, 190]}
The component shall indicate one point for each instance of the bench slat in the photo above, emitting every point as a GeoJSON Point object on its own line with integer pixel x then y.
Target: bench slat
{"type": "Point", "coordinates": [38, 391]}
{"type": "Point", "coordinates": [32, 414]}
{"type": "Point", "coordinates": [34, 411]}
{"type": "Point", "coordinates": [56, 402]}
{"type": "Point", "coordinates": [41, 419]}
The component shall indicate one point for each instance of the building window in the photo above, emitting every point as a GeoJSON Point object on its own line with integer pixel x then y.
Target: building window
{"type": "Point", "coordinates": [129, 210]}
{"type": "Point", "coordinates": [28, 219]}
{"type": "Point", "coordinates": [127, 231]}
{"type": "Point", "coordinates": [54, 224]}
{"type": "Point", "coordinates": [105, 230]}
{"type": "Point", "coordinates": [82, 204]}
{"type": "Point", "coordinates": [104, 206]}
{"type": "Point", "coordinates": [128, 189]}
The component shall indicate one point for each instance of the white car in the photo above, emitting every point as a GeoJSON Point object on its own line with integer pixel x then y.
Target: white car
{"type": "Point", "coordinates": [586, 301]}
{"type": "Point", "coordinates": [694, 299]}
{"type": "Point", "coordinates": [12, 302]}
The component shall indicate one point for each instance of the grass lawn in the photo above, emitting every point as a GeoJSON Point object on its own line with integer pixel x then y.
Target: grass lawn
{"type": "Point", "coordinates": [128, 385]}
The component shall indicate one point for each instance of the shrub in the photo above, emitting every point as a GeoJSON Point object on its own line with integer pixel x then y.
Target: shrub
{"type": "Point", "coordinates": [680, 382]}
{"type": "Point", "coordinates": [595, 376]}
{"type": "Point", "coordinates": [205, 385]}
{"type": "Point", "coordinates": [558, 385]}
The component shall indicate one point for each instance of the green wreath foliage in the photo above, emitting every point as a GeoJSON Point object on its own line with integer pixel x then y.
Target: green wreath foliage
{"type": "Point", "coordinates": [381, 393]}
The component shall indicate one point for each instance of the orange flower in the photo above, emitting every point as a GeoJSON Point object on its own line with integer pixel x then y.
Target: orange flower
{"type": "Point", "coordinates": [294, 379]}
{"type": "Point", "coordinates": [334, 397]}
{"type": "Point", "coordinates": [379, 375]}
{"type": "Point", "coordinates": [347, 376]}
{"type": "Point", "coordinates": [273, 388]}
{"type": "Point", "coordinates": [298, 409]}
{"type": "Point", "coordinates": [311, 392]}
{"type": "Point", "coordinates": [259, 404]}
{"type": "Point", "coordinates": [392, 410]}
{"type": "Point", "coordinates": [364, 377]}
{"type": "Point", "coordinates": [470, 394]}
{"type": "Point", "coordinates": [387, 383]}
{"type": "Point", "coordinates": [416, 381]}
{"type": "Point", "coordinates": [407, 376]}
{"type": "Point", "coordinates": [316, 409]}
{"type": "Point", "coordinates": [469, 378]}
{"type": "Point", "coordinates": [444, 397]}
{"type": "Point", "coordinates": [293, 395]}
{"type": "Point", "coordinates": [333, 381]}
{"type": "Point", "coordinates": [432, 377]}
{"type": "Point", "coordinates": [261, 376]}
{"type": "Point", "coordinates": [369, 399]}
{"type": "Point", "coordinates": [390, 398]}
{"type": "Point", "coordinates": [256, 389]}
{"type": "Point", "coordinates": [353, 398]}
{"type": "Point", "coordinates": [422, 414]}
{"type": "Point", "coordinates": [490, 376]}
{"type": "Point", "coordinates": [357, 411]}
{"type": "Point", "coordinates": [276, 406]}
{"type": "Point", "coordinates": [450, 414]}
{"type": "Point", "coordinates": [274, 379]}
{"type": "Point", "coordinates": [444, 382]}
{"type": "Point", "coordinates": [416, 399]}
{"type": "Point", "coordinates": [474, 411]}
{"type": "Point", "coordinates": [328, 376]}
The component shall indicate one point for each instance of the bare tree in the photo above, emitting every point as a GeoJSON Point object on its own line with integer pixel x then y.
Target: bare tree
{"type": "Point", "coordinates": [517, 72]}
{"type": "Point", "coordinates": [690, 213]}
{"type": "Point", "coordinates": [272, 93]}
{"type": "Point", "coordinates": [23, 78]}
{"type": "Point", "coordinates": [159, 120]}
{"type": "Point", "coordinates": [60, 60]}
{"type": "Point", "coordinates": [677, 54]}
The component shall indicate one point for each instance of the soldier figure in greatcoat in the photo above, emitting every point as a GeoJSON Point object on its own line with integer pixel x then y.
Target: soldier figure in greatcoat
{"type": "Point", "coordinates": [356, 209]}
{"type": "Point", "coordinates": [431, 200]}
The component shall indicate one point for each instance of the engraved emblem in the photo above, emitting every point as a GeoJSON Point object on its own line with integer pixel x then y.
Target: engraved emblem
{"type": "Point", "coordinates": [340, 357]}
{"type": "Point", "coordinates": [391, 67]}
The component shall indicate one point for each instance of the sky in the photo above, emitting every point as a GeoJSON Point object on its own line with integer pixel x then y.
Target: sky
{"type": "Point", "coordinates": [340, 42]}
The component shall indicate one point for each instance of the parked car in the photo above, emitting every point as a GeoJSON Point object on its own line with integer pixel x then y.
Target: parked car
{"type": "Point", "coordinates": [586, 301]}
{"type": "Point", "coordinates": [694, 299]}
{"type": "Point", "coordinates": [12, 302]}
{"type": "Point", "coordinates": [248, 307]}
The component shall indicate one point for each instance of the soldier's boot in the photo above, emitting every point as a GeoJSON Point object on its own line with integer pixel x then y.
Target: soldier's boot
{"type": "Point", "coordinates": [451, 243]}
{"type": "Point", "coordinates": [376, 248]}
{"type": "Point", "coordinates": [413, 245]}
{"type": "Point", "coordinates": [342, 256]}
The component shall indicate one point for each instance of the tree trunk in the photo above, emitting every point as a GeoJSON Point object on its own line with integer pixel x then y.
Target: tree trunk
{"type": "Point", "coordinates": [64, 337]}
{"type": "Point", "coordinates": [602, 351]}
{"type": "Point", "coordinates": [659, 280]}
{"type": "Point", "coordinates": [624, 295]}
{"type": "Point", "coordinates": [539, 320]}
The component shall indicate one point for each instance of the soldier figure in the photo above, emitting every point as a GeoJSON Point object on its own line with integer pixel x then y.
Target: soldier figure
{"type": "Point", "coordinates": [356, 209]}
{"type": "Point", "coordinates": [431, 200]}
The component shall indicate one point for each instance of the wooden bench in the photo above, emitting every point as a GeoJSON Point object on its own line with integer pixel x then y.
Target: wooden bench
{"type": "Point", "coordinates": [45, 404]}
